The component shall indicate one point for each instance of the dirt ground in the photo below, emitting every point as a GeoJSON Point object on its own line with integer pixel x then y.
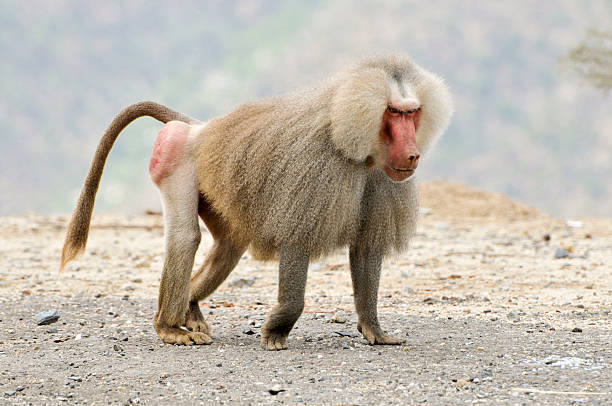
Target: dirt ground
{"type": "Point", "coordinates": [490, 316]}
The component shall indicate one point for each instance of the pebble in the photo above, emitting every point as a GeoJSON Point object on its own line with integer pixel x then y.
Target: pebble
{"type": "Point", "coordinates": [248, 331]}
{"type": "Point", "coordinates": [48, 317]}
{"type": "Point", "coordinates": [514, 316]}
{"type": "Point", "coordinates": [52, 330]}
{"type": "Point", "coordinates": [561, 253]}
{"type": "Point", "coordinates": [242, 282]}
{"type": "Point", "coordinates": [407, 291]}
{"type": "Point", "coordinates": [275, 390]}
{"type": "Point", "coordinates": [338, 317]}
{"type": "Point", "coordinates": [10, 393]}
{"type": "Point", "coordinates": [576, 330]}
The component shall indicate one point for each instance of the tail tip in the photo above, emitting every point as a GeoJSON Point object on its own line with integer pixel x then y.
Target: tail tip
{"type": "Point", "coordinates": [69, 253]}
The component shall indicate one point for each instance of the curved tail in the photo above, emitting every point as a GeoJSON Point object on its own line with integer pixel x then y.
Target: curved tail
{"type": "Point", "coordinates": [78, 228]}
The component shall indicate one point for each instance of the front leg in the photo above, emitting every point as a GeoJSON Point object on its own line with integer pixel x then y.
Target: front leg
{"type": "Point", "coordinates": [292, 270]}
{"type": "Point", "coordinates": [365, 273]}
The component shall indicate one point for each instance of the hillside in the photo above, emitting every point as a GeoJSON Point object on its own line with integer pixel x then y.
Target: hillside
{"type": "Point", "coordinates": [523, 126]}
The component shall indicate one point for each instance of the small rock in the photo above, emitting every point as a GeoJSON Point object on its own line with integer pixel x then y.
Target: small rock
{"type": "Point", "coordinates": [343, 334]}
{"type": "Point", "coordinates": [10, 393]}
{"type": "Point", "coordinates": [576, 330]}
{"type": "Point", "coordinates": [514, 316]}
{"type": "Point", "coordinates": [339, 318]}
{"type": "Point", "coordinates": [431, 300]}
{"type": "Point", "coordinates": [561, 253]}
{"type": "Point", "coordinates": [52, 330]}
{"type": "Point", "coordinates": [117, 348]}
{"type": "Point", "coordinates": [242, 282]}
{"type": "Point", "coordinates": [407, 291]}
{"type": "Point", "coordinates": [248, 331]}
{"type": "Point", "coordinates": [275, 390]}
{"type": "Point", "coordinates": [49, 317]}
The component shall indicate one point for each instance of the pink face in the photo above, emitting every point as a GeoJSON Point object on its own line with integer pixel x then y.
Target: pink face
{"type": "Point", "coordinates": [398, 136]}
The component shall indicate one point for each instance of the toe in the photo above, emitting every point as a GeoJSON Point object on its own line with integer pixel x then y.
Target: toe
{"type": "Point", "coordinates": [200, 338]}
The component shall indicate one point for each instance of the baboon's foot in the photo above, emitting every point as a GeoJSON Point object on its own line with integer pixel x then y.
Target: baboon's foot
{"type": "Point", "coordinates": [177, 335]}
{"type": "Point", "coordinates": [195, 320]}
{"type": "Point", "coordinates": [273, 341]}
{"type": "Point", "coordinates": [375, 335]}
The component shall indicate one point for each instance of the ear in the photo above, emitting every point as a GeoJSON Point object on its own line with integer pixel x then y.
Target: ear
{"type": "Point", "coordinates": [356, 112]}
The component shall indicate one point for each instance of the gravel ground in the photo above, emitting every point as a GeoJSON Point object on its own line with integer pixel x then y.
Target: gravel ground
{"type": "Point", "coordinates": [490, 316]}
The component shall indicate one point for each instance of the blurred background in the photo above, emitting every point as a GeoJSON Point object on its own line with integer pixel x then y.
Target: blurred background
{"type": "Point", "coordinates": [533, 119]}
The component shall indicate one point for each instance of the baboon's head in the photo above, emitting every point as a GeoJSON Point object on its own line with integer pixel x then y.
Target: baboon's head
{"type": "Point", "coordinates": [387, 112]}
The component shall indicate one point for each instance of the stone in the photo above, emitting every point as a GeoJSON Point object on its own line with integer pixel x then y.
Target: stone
{"type": "Point", "coordinates": [338, 317]}
{"type": "Point", "coordinates": [44, 318]}
{"type": "Point", "coordinates": [242, 282]}
{"type": "Point", "coordinates": [275, 390]}
{"type": "Point", "coordinates": [514, 316]}
{"type": "Point", "coordinates": [561, 253]}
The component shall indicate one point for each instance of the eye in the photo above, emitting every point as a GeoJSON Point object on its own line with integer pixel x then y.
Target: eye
{"type": "Point", "coordinates": [393, 110]}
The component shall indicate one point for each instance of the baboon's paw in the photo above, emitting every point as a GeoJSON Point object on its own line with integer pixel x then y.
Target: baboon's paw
{"type": "Point", "coordinates": [173, 335]}
{"type": "Point", "coordinates": [376, 336]}
{"type": "Point", "coordinates": [274, 342]}
{"type": "Point", "coordinates": [195, 320]}
{"type": "Point", "coordinates": [198, 326]}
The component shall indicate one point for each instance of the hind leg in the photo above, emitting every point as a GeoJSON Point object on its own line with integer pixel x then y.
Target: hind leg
{"type": "Point", "coordinates": [221, 260]}
{"type": "Point", "coordinates": [173, 171]}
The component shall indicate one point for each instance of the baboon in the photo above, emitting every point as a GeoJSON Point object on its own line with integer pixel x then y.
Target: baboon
{"type": "Point", "coordinates": [293, 178]}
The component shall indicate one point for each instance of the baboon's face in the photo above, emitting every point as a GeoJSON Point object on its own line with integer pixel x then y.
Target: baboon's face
{"type": "Point", "coordinates": [399, 151]}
